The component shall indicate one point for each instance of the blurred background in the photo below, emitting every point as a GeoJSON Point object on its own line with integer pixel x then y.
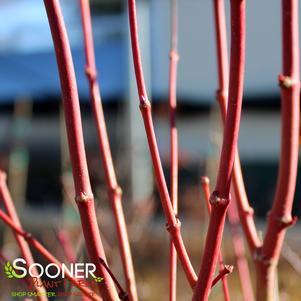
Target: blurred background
{"type": "Point", "coordinates": [33, 147]}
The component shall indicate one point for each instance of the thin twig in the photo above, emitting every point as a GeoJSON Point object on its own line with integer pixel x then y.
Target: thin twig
{"type": "Point", "coordinates": [123, 295]}
{"type": "Point", "coordinates": [227, 269]}
{"type": "Point", "coordinates": [173, 223]}
{"type": "Point", "coordinates": [114, 190]}
{"type": "Point", "coordinates": [174, 58]}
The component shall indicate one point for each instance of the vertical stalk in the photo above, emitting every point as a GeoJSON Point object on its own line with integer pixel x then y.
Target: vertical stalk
{"type": "Point", "coordinates": [46, 254]}
{"type": "Point", "coordinates": [280, 218]}
{"type": "Point", "coordinates": [84, 197]}
{"type": "Point", "coordinates": [23, 245]}
{"type": "Point", "coordinates": [114, 190]}
{"type": "Point", "coordinates": [221, 196]}
{"type": "Point", "coordinates": [245, 211]}
{"type": "Point", "coordinates": [173, 223]}
{"type": "Point", "coordinates": [174, 58]}
{"type": "Point", "coordinates": [237, 180]}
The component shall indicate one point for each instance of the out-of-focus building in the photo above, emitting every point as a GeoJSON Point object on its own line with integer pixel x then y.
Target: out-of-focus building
{"type": "Point", "coordinates": [28, 71]}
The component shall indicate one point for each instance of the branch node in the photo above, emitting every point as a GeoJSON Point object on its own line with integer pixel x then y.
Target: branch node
{"type": "Point", "coordinates": [261, 258]}
{"type": "Point", "coordinates": [115, 191]}
{"type": "Point", "coordinates": [286, 82]}
{"type": "Point", "coordinates": [144, 103]}
{"type": "Point", "coordinates": [174, 56]}
{"type": "Point", "coordinates": [249, 211]}
{"type": "Point", "coordinates": [27, 236]}
{"type": "Point", "coordinates": [216, 200]}
{"type": "Point", "coordinates": [175, 227]}
{"type": "Point", "coordinates": [205, 180]}
{"type": "Point", "coordinates": [84, 197]}
{"type": "Point", "coordinates": [91, 73]}
{"type": "Point", "coordinates": [287, 221]}
{"type": "Point", "coordinates": [221, 95]}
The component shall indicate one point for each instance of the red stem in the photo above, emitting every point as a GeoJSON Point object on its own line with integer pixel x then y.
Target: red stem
{"type": "Point", "coordinates": [114, 191]}
{"type": "Point", "coordinates": [84, 196]}
{"type": "Point", "coordinates": [280, 215]}
{"type": "Point", "coordinates": [206, 191]}
{"type": "Point", "coordinates": [123, 295]}
{"type": "Point", "coordinates": [237, 179]}
{"type": "Point", "coordinates": [245, 211]}
{"type": "Point", "coordinates": [174, 58]}
{"type": "Point", "coordinates": [173, 224]}
{"type": "Point", "coordinates": [45, 253]}
{"type": "Point", "coordinates": [221, 196]}
{"type": "Point", "coordinates": [227, 269]}
{"type": "Point", "coordinates": [23, 245]}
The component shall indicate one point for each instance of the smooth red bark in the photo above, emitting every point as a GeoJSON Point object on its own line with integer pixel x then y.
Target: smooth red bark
{"type": "Point", "coordinates": [174, 58]}
{"type": "Point", "coordinates": [114, 191]}
{"type": "Point", "coordinates": [173, 223]}
{"type": "Point", "coordinates": [221, 196]}
{"type": "Point", "coordinates": [84, 197]}
{"type": "Point", "coordinates": [237, 180]}
{"type": "Point", "coordinates": [280, 216]}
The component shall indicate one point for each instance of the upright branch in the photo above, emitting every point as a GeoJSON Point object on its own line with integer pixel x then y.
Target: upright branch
{"type": "Point", "coordinates": [84, 197]}
{"type": "Point", "coordinates": [280, 216]}
{"type": "Point", "coordinates": [245, 210]}
{"type": "Point", "coordinates": [174, 58]}
{"type": "Point", "coordinates": [114, 190]}
{"type": "Point", "coordinates": [238, 187]}
{"type": "Point", "coordinates": [222, 268]}
{"type": "Point", "coordinates": [220, 198]}
{"type": "Point", "coordinates": [173, 223]}
{"type": "Point", "coordinates": [23, 245]}
{"type": "Point", "coordinates": [46, 254]}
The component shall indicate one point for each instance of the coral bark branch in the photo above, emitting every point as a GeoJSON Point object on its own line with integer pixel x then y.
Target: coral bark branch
{"type": "Point", "coordinates": [280, 216]}
{"type": "Point", "coordinates": [238, 187]}
{"type": "Point", "coordinates": [245, 211]}
{"type": "Point", "coordinates": [114, 191]}
{"type": "Point", "coordinates": [173, 224]}
{"type": "Point", "coordinates": [84, 197]}
{"type": "Point", "coordinates": [221, 196]}
{"type": "Point", "coordinates": [174, 58]}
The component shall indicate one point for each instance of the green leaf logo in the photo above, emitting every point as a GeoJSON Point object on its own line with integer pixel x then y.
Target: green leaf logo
{"type": "Point", "coordinates": [10, 272]}
{"type": "Point", "coordinates": [98, 279]}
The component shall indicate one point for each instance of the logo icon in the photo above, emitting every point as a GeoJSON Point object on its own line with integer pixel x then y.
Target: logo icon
{"type": "Point", "coordinates": [10, 272]}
